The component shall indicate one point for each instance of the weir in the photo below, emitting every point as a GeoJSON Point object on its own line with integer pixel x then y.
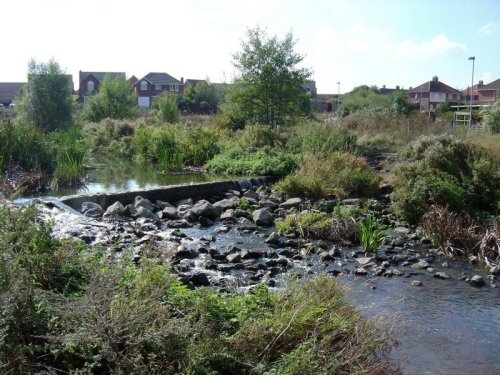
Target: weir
{"type": "Point", "coordinates": [170, 193]}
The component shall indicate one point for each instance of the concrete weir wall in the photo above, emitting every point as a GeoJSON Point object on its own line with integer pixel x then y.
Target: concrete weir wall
{"type": "Point", "coordinates": [169, 193]}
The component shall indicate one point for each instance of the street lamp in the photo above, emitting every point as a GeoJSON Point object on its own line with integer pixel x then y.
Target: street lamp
{"type": "Point", "coordinates": [471, 93]}
{"type": "Point", "coordinates": [338, 96]}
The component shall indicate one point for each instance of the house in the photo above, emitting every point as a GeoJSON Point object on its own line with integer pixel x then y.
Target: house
{"type": "Point", "coordinates": [432, 93]}
{"type": "Point", "coordinates": [309, 88]}
{"type": "Point", "coordinates": [489, 93]}
{"type": "Point", "coordinates": [9, 91]}
{"type": "Point", "coordinates": [386, 91]}
{"type": "Point", "coordinates": [90, 81]}
{"type": "Point", "coordinates": [326, 102]}
{"type": "Point", "coordinates": [132, 81]}
{"type": "Point", "coordinates": [152, 84]}
{"type": "Point", "coordinates": [467, 92]}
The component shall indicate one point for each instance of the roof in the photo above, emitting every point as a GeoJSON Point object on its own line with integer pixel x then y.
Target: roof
{"type": "Point", "coordinates": [133, 80]}
{"type": "Point", "coordinates": [434, 85]}
{"type": "Point", "coordinates": [467, 90]}
{"type": "Point", "coordinates": [9, 90]}
{"type": "Point", "coordinates": [194, 82]}
{"type": "Point", "coordinates": [100, 75]}
{"type": "Point", "coordinates": [495, 85]}
{"type": "Point", "coordinates": [161, 79]}
{"type": "Point", "coordinates": [327, 97]}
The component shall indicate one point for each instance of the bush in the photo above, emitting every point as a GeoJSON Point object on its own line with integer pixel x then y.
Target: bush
{"type": "Point", "coordinates": [110, 138]}
{"type": "Point", "coordinates": [491, 118]}
{"type": "Point", "coordinates": [320, 225]}
{"type": "Point", "coordinates": [165, 108]}
{"type": "Point", "coordinates": [448, 171]}
{"type": "Point", "coordinates": [324, 139]}
{"type": "Point", "coordinates": [339, 174]}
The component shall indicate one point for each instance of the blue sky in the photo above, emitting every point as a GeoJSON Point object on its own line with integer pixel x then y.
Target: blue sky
{"type": "Point", "coordinates": [383, 42]}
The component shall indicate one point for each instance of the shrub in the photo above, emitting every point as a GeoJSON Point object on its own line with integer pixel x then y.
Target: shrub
{"type": "Point", "coordinates": [165, 108]}
{"type": "Point", "coordinates": [459, 235]}
{"type": "Point", "coordinates": [324, 139]}
{"type": "Point", "coordinates": [320, 225]}
{"type": "Point", "coordinates": [339, 174]}
{"type": "Point", "coordinates": [491, 118]}
{"type": "Point", "coordinates": [70, 155]}
{"type": "Point", "coordinates": [372, 234]}
{"type": "Point", "coordinates": [448, 171]}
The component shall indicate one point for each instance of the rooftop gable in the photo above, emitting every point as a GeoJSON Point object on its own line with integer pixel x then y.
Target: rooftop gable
{"type": "Point", "coordinates": [434, 85]}
{"type": "Point", "coordinates": [161, 79]}
{"type": "Point", "coordinates": [100, 75]}
{"type": "Point", "coordinates": [495, 85]}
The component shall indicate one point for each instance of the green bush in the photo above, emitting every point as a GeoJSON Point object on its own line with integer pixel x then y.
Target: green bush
{"type": "Point", "coordinates": [165, 107]}
{"type": "Point", "coordinates": [325, 139]}
{"type": "Point", "coordinates": [491, 118]}
{"type": "Point", "coordinates": [372, 234]}
{"type": "Point", "coordinates": [339, 174]}
{"type": "Point", "coordinates": [263, 162]}
{"type": "Point", "coordinates": [448, 171]}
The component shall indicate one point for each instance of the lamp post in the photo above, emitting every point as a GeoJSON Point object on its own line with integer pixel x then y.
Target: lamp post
{"type": "Point", "coordinates": [338, 95]}
{"type": "Point", "coordinates": [471, 92]}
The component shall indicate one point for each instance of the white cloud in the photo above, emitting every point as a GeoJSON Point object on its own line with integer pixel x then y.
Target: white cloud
{"type": "Point", "coordinates": [486, 77]}
{"type": "Point", "coordinates": [489, 28]}
{"type": "Point", "coordinates": [439, 45]}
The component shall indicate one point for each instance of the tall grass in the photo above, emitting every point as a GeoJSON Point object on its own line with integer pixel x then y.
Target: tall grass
{"type": "Point", "coordinates": [372, 234]}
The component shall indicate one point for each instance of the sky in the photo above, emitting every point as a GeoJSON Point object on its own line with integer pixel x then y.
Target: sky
{"type": "Point", "coordinates": [356, 42]}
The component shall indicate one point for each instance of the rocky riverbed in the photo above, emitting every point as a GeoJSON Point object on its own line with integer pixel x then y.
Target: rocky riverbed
{"type": "Point", "coordinates": [446, 311]}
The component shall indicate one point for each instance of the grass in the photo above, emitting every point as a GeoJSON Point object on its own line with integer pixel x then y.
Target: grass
{"type": "Point", "coordinates": [372, 234]}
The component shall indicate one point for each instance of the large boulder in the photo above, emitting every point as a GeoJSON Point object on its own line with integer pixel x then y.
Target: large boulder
{"type": "Point", "coordinates": [262, 217]}
{"type": "Point", "coordinates": [116, 209]}
{"type": "Point", "coordinates": [169, 212]}
{"type": "Point", "coordinates": [92, 209]}
{"type": "Point", "coordinates": [142, 212]}
{"type": "Point", "coordinates": [224, 205]}
{"type": "Point", "coordinates": [292, 202]}
{"type": "Point", "coordinates": [143, 202]}
{"type": "Point", "coordinates": [204, 208]}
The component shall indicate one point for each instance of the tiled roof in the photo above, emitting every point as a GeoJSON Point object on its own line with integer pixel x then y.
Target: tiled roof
{"type": "Point", "coordinates": [100, 75]}
{"type": "Point", "coordinates": [9, 90]}
{"type": "Point", "coordinates": [161, 79]}
{"type": "Point", "coordinates": [434, 86]}
{"type": "Point", "coordinates": [495, 85]}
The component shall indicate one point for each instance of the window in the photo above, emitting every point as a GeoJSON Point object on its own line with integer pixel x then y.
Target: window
{"type": "Point", "coordinates": [174, 87]}
{"type": "Point", "coordinates": [90, 86]}
{"type": "Point", "coordinates": [158, 87]}
{"type": "Point", "coordinates": [144, 86]}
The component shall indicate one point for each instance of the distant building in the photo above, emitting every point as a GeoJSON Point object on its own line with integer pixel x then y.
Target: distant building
{"type": "Point", "coordinates": [153, 84]}
{"type": "Point", "coordinates": [310, 88]}
{"type": "Point", "coordinates": [489, 93]}
{"type": "Point", "coordinates": [9, 91]}
{"type": "Point", "coordinates": [90, 82]}
{"type": "Point", "coordinates": [386, 91]}
{"type": "Point", "coordinates": [432, 93]}
{"type": "Point", "coordinates": [466, 94]}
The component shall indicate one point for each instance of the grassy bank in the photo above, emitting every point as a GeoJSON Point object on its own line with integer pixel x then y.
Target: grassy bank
{"type": "Point", "coordinates": [65, 308]}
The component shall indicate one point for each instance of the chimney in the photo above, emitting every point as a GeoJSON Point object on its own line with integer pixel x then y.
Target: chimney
{"type": "Point", "coordinates": [397, 87]}
{"type": "Point", "coordinates": [435, 79]}
{"type": "Point", "coordinates": [182, 80]}
{"type": "Point", "coordinates": [481, 83]}
{"type": "Point", "coordinates": [383, 86]}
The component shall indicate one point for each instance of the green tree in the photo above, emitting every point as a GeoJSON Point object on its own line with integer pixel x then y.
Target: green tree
{"type": "Point", "coordinates": [114, 100]}
{"type": "Point", "coordinates": [166, 108]}
{"type": "Point", "coordinates": [45, 100]}
{"type": "Point", "coordinates": [268, 89]}
{"type": "Point", "coordinates": [491, 118]}
{"type": "Point", "coordinates": [200, 98]}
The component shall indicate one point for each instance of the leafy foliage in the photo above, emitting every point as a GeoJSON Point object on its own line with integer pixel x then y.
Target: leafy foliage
{"type": "Point", "coordinates": [268, 89]}
{"type": "Point", "coordinates": [165, 107]}
{"type": "Point", "coordinates": [45, 100]}
{"type": "Point", "coordinates": [114, 100]}
{"type": "Point", "coordinates": [448, 171]}
{"type": "Point", "coordinates": [201, 98]}
{"type": "Point", "coordinates": [491, 118]}
{"type": "Point", "coordinates": [372, 234]}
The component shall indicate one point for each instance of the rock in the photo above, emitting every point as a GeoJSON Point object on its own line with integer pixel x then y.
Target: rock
{"type": "Point", "coordinates": [266, 203]}
{"type": "Point", "coordinates": [441, 276]}
{"type": "Point", "coordinates": [276, 196]}
{"type": "Point", "coordinates": [445, 265]}
{"type": "Point", "coordinates": [223, 229]}
{"type": "Point", "coordinates": [292, 202]}
{"type": "Point", "coordinates": [495, 270]}
{"type": "Point", "coordinates": [199, 279]}
{"type": "Point", "coordinates": [365, 261]}
{"type": "Point", "coordinates": [169, 213]}
{"type": "Point", "coordinates": [216, 254]}
{"type": "Point", "coordinates": [205, 221]}
{"type": "Point", "coordinates": [325, 256]}
{"type": "Point", "coordinates": [288, 253]}
{"type": "Point", "coordinates": [397, 242]}
{"type": "Point", "coordinates": [360, 271]}
{"type": "Point", "coordinates": [228, 215]}
{"type": "Point", "coordinates": [143, 212]}
{"type": "Point", "coordinates": [421, 265]}
{"type": "Point", "coordinates": [234, 258]}
{"type": "Point", "coordinates": [273, 239]}
{"type": "Point", "coordinates": [129, 210]}
{"type": "Point", "coordinates": [335, 252]}
{"type": "Point", "coordinates": [242, 213]}
{"type": "Point", "coordinates": [183, 252]}
{"type": "Point", "coordinates": [224, 205]}
{"type": "Point", "coordinates": [261, 217]}
{"type": "Point", "coordinates": [143, 202]}
{"type": "Point", "coordinates": [351, 202]}
{"type": "Point", "coordinates": [204, 208]}
{"type": "Point", "coordinates": [116, 209]}
{"type": "Point", "coordinates": [178, 233]}
{"type": "Point", "coordinates": [477, 281]}
{"type": "Point", "coordinates": [251, 194]}
{"type": "Point", "coordinates": [184, 202]}
{"type": "Point", "coordinates": [178, 224]}
{"type": "Point", "coordinates": [252, 254]}
{"type": "Point", "coordinates": [246, 224]}
{"type": "Point", "coordinates": [473, 259]}
{"type": "Point", "coordinates": [402, 231]}
{"type": "Point", "coordinates": [92, 209]}
{"type": "Point", "coordinates": [416, 283]}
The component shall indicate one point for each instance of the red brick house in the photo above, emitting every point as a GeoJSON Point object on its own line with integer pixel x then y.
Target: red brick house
{"type": "Point", "coordinates": [153, 84]}
{"type": "Point", "coordinates": [432, 93]}
{"type": "Point", "coordinates": [90, 81]}
{"type": "Point", "coordinates": [466, 93]}
{"type": "Point", "coordinates": [490, 92]}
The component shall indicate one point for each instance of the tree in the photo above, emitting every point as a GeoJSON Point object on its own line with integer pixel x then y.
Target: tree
{"type": "Point", "coordinates": [491, 118]}
{"type": "Point", "coordinates": [268, 89]}
{"type": "Point", "coordinates": [114, 100]}
{"type": "Point", "coordinates": [45, 100]}
{"type": "Point", "coordinates": [166, 108]}
{"type": "Point", "coordinates": [200, 98]}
